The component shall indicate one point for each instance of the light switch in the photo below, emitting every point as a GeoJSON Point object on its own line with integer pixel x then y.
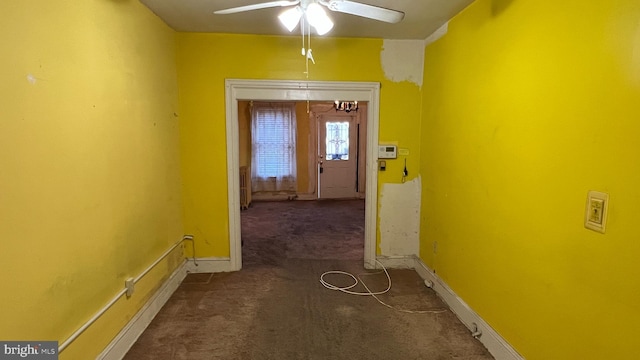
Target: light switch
{"type": "Point", "coordinates": [596, 207]}
{"type": "Point", "coordinates": [595, 217]}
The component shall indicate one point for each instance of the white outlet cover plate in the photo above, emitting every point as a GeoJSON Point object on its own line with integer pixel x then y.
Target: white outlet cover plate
{"type": "Point", "coordinates": [596, 201]}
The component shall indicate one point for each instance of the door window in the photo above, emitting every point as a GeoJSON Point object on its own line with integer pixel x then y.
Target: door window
{"type": "Point", "coordinates": [337, 141]}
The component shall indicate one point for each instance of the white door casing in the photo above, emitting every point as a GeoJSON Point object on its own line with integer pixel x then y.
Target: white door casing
{"type": "Point", "coordinates": [237, 89]}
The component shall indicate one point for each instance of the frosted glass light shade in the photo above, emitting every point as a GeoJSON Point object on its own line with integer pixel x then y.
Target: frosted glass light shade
{"type": "Point", "coordinates": [290, 18]}
{"type": "Point", "coordinates": [324, 26]}
{"type": "Point", "coordinates": [318, 18]}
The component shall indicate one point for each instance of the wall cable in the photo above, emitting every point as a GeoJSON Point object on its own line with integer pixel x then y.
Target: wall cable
{"type": "Point", "coordinates": [405, 172]}
{"type": "Point", "coordinates": [358, 280]}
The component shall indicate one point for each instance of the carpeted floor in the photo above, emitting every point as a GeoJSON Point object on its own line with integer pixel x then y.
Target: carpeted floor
{"type": "Point", "coordinates": [276, 308]}
{"type": "Point", "coordinates": [328, 229]}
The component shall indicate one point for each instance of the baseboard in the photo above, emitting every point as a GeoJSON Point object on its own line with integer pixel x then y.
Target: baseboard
{"type": "Point", "coordinates": [121, 344]}
{"type": "Point", "coordinates": [307, 197]}
{"type": "Point", "coordinates": [497, 346]}
{"type": "Point", "coordinates": [397, 262]}
{"type": "Point", "coordinates": [209, 265]}
{"type": "Point", "coordinates": [273, 196]}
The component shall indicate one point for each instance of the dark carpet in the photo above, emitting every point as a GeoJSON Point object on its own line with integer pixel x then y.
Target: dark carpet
{"type": "Point", "coordinates": [276, 308]}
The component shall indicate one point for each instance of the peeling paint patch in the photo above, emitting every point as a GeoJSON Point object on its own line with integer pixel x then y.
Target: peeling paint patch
{"type": "Point", "coordinates": [403, 60]}
{"type": "Point", "coordinates": [442, 31]}
{"type": "Point", "coordinates": [400, 218]}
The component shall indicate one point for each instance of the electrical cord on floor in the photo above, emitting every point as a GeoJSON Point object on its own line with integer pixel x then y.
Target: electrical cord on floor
{"type": "Point", "coordinates": [357, 280]}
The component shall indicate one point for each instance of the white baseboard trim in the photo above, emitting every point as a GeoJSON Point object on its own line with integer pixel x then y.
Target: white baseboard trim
{"type": "Point", "coordinates": [497, 346]}
{"type": "Point", "coordinates": [209, 265]}
{"type": "Point", "coordinates": [121, 344]}
{"type": "Point", "coordinates": [397, 262]}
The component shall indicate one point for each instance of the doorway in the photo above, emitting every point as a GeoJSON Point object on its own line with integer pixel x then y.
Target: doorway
{"type": "Point", "coordinates": [300, 91]}
{"type": "Point", "coordinates": [339, 151]}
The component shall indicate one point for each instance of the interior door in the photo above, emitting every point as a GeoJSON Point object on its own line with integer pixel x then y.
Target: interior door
{"type": "Point", "coordinates": [337, 156]}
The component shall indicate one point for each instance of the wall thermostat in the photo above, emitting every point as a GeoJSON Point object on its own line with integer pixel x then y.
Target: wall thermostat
{"type": "Point", "coordinates": [387, 152]}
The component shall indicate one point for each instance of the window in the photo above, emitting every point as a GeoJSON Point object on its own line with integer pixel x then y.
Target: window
{"type": "Point", "coordinates": [273, 143]}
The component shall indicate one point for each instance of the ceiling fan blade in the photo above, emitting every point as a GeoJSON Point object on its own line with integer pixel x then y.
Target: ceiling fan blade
{"type": "Point", "coordinates": [364, 10]}
{"type": "Point", "coordinates": [256, 7]}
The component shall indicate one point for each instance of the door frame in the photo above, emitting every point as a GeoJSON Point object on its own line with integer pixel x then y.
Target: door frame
{"type": "Point", "coordinates": [291, 90]}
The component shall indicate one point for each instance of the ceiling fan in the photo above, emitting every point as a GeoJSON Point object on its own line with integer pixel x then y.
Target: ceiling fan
{"type": "Point", "coordinates": [316, 16]}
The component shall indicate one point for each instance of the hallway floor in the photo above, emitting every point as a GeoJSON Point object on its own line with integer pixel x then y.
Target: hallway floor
{"type": "Point", "coordinates": [276, 307]}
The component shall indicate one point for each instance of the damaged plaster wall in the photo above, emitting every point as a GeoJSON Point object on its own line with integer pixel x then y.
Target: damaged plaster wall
{"type": "Point", "coordinates": [400, 218]}
{"type": "Point", "coordinates": [403, 60]}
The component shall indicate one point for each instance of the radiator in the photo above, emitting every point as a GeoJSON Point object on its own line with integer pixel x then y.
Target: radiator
{"type": "Point", "coordinates": [245, 187]}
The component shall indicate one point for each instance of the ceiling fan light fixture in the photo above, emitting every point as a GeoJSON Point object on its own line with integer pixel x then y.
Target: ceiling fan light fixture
{"type": "Point", "coordinates": [318, 18]}
{"type": "Point", "coordinates": [324, 27]}
{"type": "Point", "coordinates": [290, 18]}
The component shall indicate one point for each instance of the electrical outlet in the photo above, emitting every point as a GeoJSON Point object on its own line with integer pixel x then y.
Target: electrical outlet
{"type": "Point", "coordinates": [382, 164]}
{"type": "Point", "coordinates": [475, 330]}
{"type": "Point", "coordinates": [130, 285]}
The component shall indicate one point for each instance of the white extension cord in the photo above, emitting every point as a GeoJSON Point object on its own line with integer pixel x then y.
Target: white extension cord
{"type": "Point", "coordinates": [357, 280]}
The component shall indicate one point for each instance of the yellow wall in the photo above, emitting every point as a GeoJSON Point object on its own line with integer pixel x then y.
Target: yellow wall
{"type": "Point", "coordinates": [302, 148]}
{"type": "Point", "coordinates": [90, 188]}
{"type": "Point", "coordinates": [244, 133]}
{"type": "Point", "coordinates": [206, 60]}
{"type": "Point", "coordinates": [528, 105]}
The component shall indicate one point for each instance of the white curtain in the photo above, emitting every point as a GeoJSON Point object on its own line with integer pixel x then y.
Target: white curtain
{"type": "Point", "coordinates": [273, 147]}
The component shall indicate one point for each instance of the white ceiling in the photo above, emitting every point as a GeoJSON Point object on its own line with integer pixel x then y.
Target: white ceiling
{"type": "Point", "coordinates": [422, 18]}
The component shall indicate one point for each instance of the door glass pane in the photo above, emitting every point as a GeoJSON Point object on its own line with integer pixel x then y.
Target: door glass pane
{"type": "Point", "coordinates": [337, 140]}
